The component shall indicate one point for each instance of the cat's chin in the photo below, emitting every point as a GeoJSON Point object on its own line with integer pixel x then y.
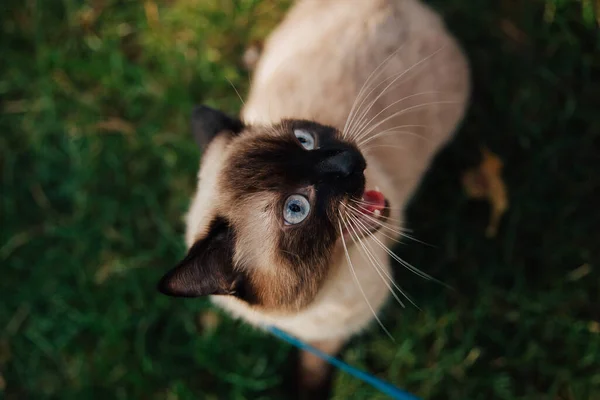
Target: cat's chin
{"type": "Point", "coordinates": [365, 216]}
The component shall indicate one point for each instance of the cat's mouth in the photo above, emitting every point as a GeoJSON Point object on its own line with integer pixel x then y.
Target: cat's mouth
{"type": "Point", "coordinates": [366, 215]}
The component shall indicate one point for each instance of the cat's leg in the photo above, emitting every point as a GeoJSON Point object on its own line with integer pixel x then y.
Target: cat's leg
{"type": "Point", "coordinates": [314, 373]}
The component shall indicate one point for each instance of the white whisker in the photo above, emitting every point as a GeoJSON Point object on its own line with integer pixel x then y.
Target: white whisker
{"type": "Point", "coordinates": [236, 91]}
{"type": "Point", "coordinates": [366, 149]}
{"type": "Point", "coordinates": [393, 130]}
{"type": "Point", "coordinates": [357, 220]}
{"type": "Point", "coordinates": [404, 111]}
{"type": "Point", "coordinates": [370, 204]}
{"type": "Point", "coordinates": [406, 264]}
{"type": "Point", "coordinates": [375, 262]}
{"type": "Point", "coordinates": [355, 214]}
{"type": "Point", "coordinates": [414, 239]}
{"type": "Point", "coordinates": [362, 205]}
{"type": "Point", "coordinates": [364, 114]}
{"type": "Point", "coordinates": [381, 223]}
{"type": "Point", "coordinates": [358, 282]}
{"type": "Point", "coordinates": [352, 113]}
{"type": "Point", "coordinates": [359, 135]}
{"type": "Point", "coordinates": [402, 230]}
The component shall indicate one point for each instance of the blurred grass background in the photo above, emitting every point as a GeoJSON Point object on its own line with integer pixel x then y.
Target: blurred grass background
{"type": "Point", "coordinates": [97, 167]}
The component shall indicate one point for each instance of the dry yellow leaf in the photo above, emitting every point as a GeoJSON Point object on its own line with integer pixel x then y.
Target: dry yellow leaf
{"type": "Point", "coordinates": [485, 182]}
{"type": "Point", "coordinates": [116, 125]}
{"type": "Point", "coordinates": [209, 320]}
{"type": "Point", "coordinates": [151, 10]}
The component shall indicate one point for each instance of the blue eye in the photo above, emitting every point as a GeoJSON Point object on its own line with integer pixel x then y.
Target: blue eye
{"type": "Point", "coordinates": [296, 209]}
{"type": "Point", "coordinates": [305, 138]}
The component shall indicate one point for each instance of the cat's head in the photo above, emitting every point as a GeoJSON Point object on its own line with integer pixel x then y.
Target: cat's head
{"type": "Point", "coordinates": [267, 216]}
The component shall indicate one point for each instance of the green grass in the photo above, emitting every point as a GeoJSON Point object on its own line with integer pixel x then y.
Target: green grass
{"type": "Point", "coordinates": [97, 167]}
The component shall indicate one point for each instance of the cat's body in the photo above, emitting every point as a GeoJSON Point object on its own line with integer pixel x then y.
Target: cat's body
{"type": "Point", "coordinates": [313, 67]}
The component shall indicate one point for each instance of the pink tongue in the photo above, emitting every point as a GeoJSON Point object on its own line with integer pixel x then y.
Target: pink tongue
{"type": "Point", "coordinates": [373, 200]}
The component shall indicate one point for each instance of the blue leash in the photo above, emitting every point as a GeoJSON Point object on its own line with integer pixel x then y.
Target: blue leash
{"type": "Point", "coordinates": [377, 383]}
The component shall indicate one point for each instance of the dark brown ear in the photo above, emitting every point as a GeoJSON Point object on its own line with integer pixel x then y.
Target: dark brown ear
{"type": "Point", "coordinates": [207, 268]}
{"type": "Point", "coordinates": [208, 123]}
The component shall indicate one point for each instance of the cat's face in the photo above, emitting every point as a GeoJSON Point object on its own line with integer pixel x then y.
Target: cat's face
{"type": "Point", "coordinates": [267, 216]}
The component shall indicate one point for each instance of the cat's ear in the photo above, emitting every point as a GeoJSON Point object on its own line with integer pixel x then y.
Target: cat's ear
{"type": "Point", "coordinates": [208, 123]}
{"type": "Point", "coordinates": [207, 268]}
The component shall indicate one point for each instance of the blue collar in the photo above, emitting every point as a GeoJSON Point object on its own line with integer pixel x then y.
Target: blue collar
{"type": "Point", "coordinates": [377, 383]}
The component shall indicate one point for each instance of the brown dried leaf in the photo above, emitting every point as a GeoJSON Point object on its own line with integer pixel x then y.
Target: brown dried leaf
{"type": "Point", "coordinates": [151, 10]}
{"type": "Point", "coordinates": [89, 14]}
{"type": "Point", "coordinates": [116, 125]}
{"type": "Point", "coordinates": [580, 272]}
{"type": "Point", "coordinates": [485, 182]}
{"type": "Point", "coordinates": [209, 320]}
{"type": "Point", "coordinates": [513, 32]}
{"type": "Point", "coordinates": [15, 107]}
{"type": "Point", "coordinates": [86, 18]}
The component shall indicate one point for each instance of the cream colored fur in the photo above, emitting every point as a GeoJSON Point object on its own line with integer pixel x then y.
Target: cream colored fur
{"type": "Point", "coordinates": [313, 67]}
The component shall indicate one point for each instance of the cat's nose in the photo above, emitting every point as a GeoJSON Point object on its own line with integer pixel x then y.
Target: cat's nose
{"type": "Point", "coordinates": [341, 163]}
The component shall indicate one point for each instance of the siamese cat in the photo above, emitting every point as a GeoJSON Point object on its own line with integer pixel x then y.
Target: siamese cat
{"type": "Point", "coordinates": [299, 201]}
